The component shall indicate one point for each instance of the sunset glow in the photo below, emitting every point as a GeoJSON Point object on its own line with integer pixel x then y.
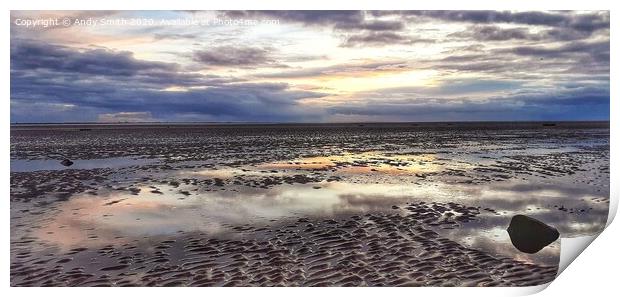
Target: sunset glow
{"type": "Point", "coordinates": [271, 66]}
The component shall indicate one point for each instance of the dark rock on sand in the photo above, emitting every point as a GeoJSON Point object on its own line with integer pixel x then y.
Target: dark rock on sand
{"type": "Point", "coordinates": [66, 162]}
{"type": "Point", "coordinates": [530, 235]}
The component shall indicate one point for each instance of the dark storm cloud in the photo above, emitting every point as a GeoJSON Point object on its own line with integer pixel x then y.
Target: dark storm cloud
{"type": "Point", "coordinates": [381, 39]}
{"type": "Point", "coordinates": [599, 51]}
{"type": "Point", "coordinates": [584, 22]}
{"type": "Point", "coordinates": [245, 102]}
{"type": "Point", "coordinates": [495, 33]}
{"type": "Point", "coordinates": [370, 31]}
{"type": "Point", "coordinates": [234, 56]}
{"type": "Point", "coordinates": [561, 34]}
{"type": "Point", "coordinates": [557, 61]}
{"type": "Point", "coordinates": [576, 104]}
{"type": "Point", "coordinates": [31, 55]}
{"type": "Point", "coordinates": [346, 20]}
{"type": "Point", "coordinates": [55, 70]}
{"type": "Point", "coordinates": [559, 70]}
{"type": "Point", "coordinates": [488, 62]}
{"type": "Point", "coordinates": [101, 81]}
{"type": "Point", "coordinates": [47, 61]}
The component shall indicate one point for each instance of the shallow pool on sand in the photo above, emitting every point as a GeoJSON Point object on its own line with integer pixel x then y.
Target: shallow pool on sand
{"type": "Point", "coordinates": [157, 210]}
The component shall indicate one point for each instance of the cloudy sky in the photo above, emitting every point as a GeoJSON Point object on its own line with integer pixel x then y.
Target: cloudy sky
{"type": "Point", "coordinates": [309, 66]}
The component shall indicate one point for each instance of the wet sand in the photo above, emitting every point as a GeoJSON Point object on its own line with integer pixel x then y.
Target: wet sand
{"type": "Point", "coordinates": [395, 249]}
{"type": "Point", "coordinates": [326, 205]}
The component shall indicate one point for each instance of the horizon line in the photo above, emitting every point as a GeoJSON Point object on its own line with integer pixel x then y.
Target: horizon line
{"type": "Point", "coordinates": [307, 123]}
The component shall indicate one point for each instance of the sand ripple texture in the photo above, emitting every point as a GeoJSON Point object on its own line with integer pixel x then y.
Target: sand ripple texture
{"type": "Point", "coordinates": [395, 249]}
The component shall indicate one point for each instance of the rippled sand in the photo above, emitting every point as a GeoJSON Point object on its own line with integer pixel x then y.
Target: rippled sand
{"type": "Point", "coordinates": [399, 205]}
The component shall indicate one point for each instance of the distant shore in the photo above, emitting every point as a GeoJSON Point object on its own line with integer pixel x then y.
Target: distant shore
{"type": "Point", "coordinates": [422, 125]}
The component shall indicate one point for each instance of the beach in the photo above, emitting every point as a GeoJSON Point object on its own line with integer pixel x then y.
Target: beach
{"type": "Point", "coordinates": [363, 204]}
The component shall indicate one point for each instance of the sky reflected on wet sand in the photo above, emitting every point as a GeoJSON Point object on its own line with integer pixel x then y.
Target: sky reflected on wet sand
{"type": "Point", "coordinates": [115, 216]}
{"type": "Point", "coordinates": [365, 162]}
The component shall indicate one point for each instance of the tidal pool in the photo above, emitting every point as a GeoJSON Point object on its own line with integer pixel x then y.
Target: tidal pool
{"type": "Point", "coordinates": [165, 210]}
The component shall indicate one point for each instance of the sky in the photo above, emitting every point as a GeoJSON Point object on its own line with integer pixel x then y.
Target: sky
{"type": "Point", "coordinates": [309, 66]}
